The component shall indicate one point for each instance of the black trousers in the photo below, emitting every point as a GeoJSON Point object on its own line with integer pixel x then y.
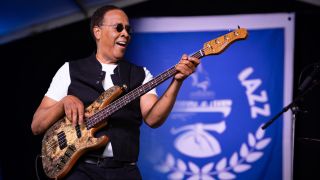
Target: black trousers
{"type": "Point", "coordinates": [91, 171]}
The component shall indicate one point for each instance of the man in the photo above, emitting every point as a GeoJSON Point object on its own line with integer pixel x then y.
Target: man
{"type": "Point", "coordinates": [79, 83]}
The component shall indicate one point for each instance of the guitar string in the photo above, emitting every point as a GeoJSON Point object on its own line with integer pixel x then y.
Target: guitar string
{"type": "Point", "coordinates": [54, 143]}
{"type": "Point", "coordinates": [121, 102]}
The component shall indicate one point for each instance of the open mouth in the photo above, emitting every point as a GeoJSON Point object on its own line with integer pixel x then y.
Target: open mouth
{"type": "Point", "coordinates": [122, 43]}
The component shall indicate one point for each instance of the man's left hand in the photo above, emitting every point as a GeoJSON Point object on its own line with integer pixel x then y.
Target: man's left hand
{"type": "Point", "coordinates": [186, 66]}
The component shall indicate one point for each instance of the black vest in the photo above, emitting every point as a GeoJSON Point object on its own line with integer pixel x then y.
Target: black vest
{"type": "Point", "coordinates": [123, 127]}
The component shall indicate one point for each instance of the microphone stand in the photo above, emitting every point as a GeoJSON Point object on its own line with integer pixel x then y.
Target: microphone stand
{"type": "Point", "coordinates": [295, 109]}
{"type": "Point", "coordinates": [293, 105]}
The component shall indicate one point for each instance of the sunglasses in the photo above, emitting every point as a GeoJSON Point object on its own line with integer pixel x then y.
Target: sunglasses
{"type": "Point", "coordinates": [119, 27]}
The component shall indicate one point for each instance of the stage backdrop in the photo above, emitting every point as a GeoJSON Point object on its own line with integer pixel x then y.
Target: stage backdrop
{"type": "Point", "coordinates": [214, 130]}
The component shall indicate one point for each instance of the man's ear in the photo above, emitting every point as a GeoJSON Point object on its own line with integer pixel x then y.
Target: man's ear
{"type": "Point", "coordinates": [97, 32]}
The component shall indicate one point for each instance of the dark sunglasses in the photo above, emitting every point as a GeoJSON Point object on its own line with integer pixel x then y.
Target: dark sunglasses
{"type": "Point", "coordinates": [119, 27]}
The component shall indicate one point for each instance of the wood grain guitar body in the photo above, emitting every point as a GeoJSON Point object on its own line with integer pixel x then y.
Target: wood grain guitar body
{"type": "Point", "coordinates": [63, 144]}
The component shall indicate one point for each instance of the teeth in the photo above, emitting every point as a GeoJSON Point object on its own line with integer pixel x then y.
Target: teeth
{"type": "Point", "coordinates": [122, 43]}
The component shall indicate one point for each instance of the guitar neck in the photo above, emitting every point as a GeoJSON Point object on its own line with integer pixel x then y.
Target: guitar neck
{"type": "Point", "coordinates": [132, 95]}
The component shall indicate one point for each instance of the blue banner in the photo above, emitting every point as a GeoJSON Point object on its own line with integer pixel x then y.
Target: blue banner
{"type": "Point", "coordinates": [214, 130]}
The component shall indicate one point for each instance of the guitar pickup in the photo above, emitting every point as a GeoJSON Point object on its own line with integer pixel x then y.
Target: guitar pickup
{"type": "Point", "coordinates": [62, 141]}
{"type": "Point", "coordinates": [78, 130]}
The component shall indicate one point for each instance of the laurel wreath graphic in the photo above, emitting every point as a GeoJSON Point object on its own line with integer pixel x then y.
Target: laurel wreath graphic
{"type": "Point", "coordinates": [225, 168]}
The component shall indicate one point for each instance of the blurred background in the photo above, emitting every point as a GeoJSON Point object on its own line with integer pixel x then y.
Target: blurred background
{"type": "Point", "coordinates": [37, 37]}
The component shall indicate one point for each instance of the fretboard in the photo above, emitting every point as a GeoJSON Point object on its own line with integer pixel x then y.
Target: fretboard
{"type": "Point", "coordinates": [132, 95]}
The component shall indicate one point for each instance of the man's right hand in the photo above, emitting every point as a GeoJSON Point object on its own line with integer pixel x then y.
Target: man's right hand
{"type": "Point", "coordinates": [50, 110]}
{"type": "Point", "coordinates": [74, 109]}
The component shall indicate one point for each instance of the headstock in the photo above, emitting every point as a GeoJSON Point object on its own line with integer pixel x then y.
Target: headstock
{"type": "Point", "coordinates": [218, 45]}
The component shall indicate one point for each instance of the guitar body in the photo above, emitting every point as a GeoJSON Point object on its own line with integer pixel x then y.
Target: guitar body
{"type": "Point", "coordinates": [63, 144]}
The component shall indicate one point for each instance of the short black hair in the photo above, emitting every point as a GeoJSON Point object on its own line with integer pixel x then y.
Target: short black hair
{"type": "Point", "coordinates": [97, 16]}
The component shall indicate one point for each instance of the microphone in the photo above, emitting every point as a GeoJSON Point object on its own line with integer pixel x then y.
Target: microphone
{"type": "Point", "coordinates": [309, 79]}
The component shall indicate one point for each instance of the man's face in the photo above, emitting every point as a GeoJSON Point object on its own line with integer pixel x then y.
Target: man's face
{"type": "Point", "coordinates": [113, 38]}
